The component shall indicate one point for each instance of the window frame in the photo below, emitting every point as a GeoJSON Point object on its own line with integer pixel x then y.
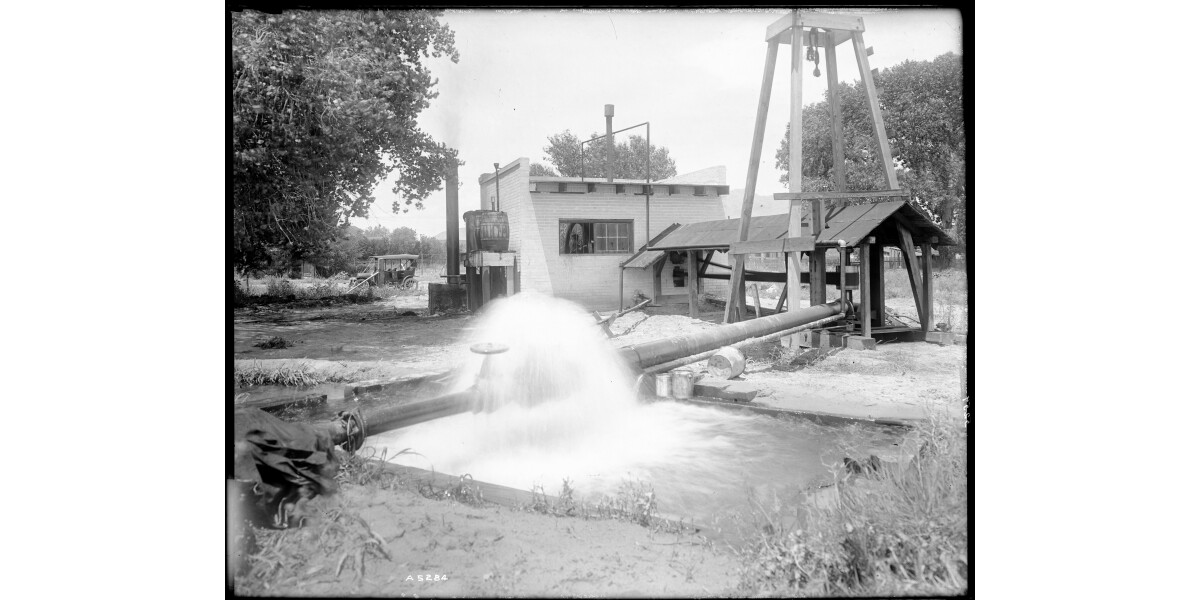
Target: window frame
{"type": "Point", "coordinates": [611, 234]}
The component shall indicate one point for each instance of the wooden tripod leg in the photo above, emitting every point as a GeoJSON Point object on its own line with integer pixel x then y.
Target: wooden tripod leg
{"type": "Point", "coordinates": [881, 141]}
{"type": "Point", "coordinates": [756, 145]}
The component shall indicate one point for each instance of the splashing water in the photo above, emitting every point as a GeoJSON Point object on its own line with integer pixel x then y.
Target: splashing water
{"type": "Point", "coordinates": [560, 403]}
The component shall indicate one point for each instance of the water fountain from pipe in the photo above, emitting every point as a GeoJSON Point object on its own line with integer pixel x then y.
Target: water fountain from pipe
{"type": "Point", "coordinates": [560, 402]}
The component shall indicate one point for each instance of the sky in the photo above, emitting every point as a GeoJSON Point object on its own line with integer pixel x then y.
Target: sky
{"type": "Point", "coordinates": [694, 75]}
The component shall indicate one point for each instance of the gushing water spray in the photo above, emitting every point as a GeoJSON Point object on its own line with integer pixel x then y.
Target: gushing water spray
{"type": "Point", "coordinates": [557, 400]}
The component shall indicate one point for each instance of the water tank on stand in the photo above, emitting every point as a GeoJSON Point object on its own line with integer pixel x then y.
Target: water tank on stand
{"type": "Point", "coordinates": [487, 230]}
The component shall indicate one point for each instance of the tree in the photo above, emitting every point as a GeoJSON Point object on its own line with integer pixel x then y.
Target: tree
{"type": "Point", "coordinates": [325, 106]}
{"type": "Point", "coordinates": [540, 170]}
{"type": "Point", "coordinates": [629, 158]}
{"type": "Point", "coordinates": [922, 104]}
{"type": "Point", "coordinates": [404, 241]}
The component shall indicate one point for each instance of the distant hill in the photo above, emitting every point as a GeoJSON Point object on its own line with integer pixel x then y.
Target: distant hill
{"type": "Point", "coordinates": [764, 204]}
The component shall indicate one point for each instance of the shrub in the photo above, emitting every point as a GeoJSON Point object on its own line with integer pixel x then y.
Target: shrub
{"type": "Point", "coordinates": [897, 529]}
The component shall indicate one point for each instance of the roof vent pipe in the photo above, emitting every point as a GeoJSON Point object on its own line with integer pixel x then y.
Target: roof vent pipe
{"type": "Point", "coordinates": [608, 162]}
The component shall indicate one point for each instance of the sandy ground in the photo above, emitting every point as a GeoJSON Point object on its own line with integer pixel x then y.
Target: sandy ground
{"type": "Point", "coordinates": [499, 551]}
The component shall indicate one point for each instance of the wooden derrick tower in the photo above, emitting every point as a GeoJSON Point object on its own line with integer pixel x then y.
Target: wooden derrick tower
{"type": "Point", "coordinates": [808, 211]}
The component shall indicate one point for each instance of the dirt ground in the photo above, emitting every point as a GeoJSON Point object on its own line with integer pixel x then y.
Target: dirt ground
{"type": "Point", "coordinates": [499, 551]}
{"type": "Point", "coordinates": [446, 548]}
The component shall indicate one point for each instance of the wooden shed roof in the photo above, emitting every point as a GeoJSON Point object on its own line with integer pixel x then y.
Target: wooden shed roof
{"type": "Point", "coordinates": [849, 224]}
{"type": "Point", "coordinates": [720, 234]}
{"type": "Point", "coordinates": [644, 258]}
{"type": "Point", "coordinates": [853, 223]}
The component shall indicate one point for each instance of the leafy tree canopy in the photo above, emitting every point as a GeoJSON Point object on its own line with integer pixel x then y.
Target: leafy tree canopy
{"type": "Point", "coordinates": [325, 105]}
{"type": "Point", "coordinates": [540, 170]}
{"type": "Point", "coordinates": [922, 104]}
{"type": "Point", "coordinates": [629, 158]}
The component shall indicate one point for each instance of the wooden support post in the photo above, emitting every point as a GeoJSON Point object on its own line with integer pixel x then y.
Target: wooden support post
{"type": "Point", "coordinates": [656, 288]}
{"type": "Point", "coordinates": [835, 116]}
{"type": "Point", "coordinates": [757, 302]}
{"type": "Point", "coordinates": [510, 280]}
{"type": "Point", "coordinates": [486, 276]}
{"type": "Point", "coordinates": [742, 311]}
{"type": "Point", "coordinates": [927, 282]}
{"type": "Point", "coordinates": [795, 166]}
{"type": "Point", "coordinates": [693, 280]}
{"type": "Point", "coordinates": [620, 287]}
{"type": "Point", "coordinates": [864, 285]}
{"type": "Point", "coordinates": [909, 253]}
{"type": "Point", "coordinates": [881, 141]}
{"type": "Point", "coordinates": [843, 260]}
{"type": "Point", "coordinates": [760, 128]}
{"type": "Point", "coordinates": [877, 282]}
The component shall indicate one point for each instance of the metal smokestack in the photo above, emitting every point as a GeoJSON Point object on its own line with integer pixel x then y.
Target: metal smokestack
{"type": "Point", "coordinates": [452, 265]}
{"type": "Point", "coordinates": [496, 202]}
{"type": "Point", "coordinates": [608, 163]}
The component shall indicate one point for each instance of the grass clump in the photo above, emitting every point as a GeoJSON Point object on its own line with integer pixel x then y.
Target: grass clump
{"type": "Point", "coordinates": [275, 343]}
{"type": "Point", "coordinates": [335, 543]}
{"type": "Point", "coordinates": [256, 374]}
{"type": "Point", "coordinates": [900, 529]}
{"type": "Point", "coordinates": [633, 502]}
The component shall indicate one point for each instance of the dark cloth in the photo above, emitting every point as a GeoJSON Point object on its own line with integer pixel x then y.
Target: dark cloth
{"type": "Point", "coordinates": [287, 460]}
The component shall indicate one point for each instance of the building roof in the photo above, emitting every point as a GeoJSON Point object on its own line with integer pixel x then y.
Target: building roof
{"type": "Point", "coordinates": [850, 224]}
{"type": "Point", "coordinates": [853, 223]}
{"type": "Point", "coordinates": [644, 258]}
{"type": "Point", "coordinates": [720, 234]}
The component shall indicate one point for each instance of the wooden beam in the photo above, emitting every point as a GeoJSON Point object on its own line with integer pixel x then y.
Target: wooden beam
{"type": "Point", "coordinates": [927, 284]}
{"type": "Point", "coordinates": [814, 19]}
{"type": "Point", "coordinates": [657, 285]}
{"type": "Point", "coordinates": [693, 282]}
{"type": "Point", "coordinates": [881, 141]}
{"type": "Point", "coordinates": [835, 117]}
{"type": "Point", "coordinates": [757, 302]}
{"type": "Point", "coordinates": [707, 259]}
{"type": "Point", "coordinates": [878, 295]}
{"type": "Point", "coordinates": [796, 224]}
{"type": "Point", "coordinates": [770, 246]}
{"type": "Point", "coordinates": [864, 284]}
{"type": "Point", "coordinates": [911, 265]}
{"type": "Point", "coordinates": [756, 146]}
{"type": "Point", "coordinates": [805, 243]}
{"type": "Point", "coordinates": [486, 284]}
{"type": "Point", "coordinates": [843, 260]}
{"type": "Point", "coordinates": [816, 258]}
{"type": "Point", "coordinates": [840, 195]}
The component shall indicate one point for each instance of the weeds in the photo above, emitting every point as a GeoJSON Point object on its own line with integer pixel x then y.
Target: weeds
{"type": "Point", "coordinates": [336, 543]}
{"type": "Point", "coordinates": [364, 468]}
{"type": "Point", "coordinates": [897, 529]}
{"type": "Point", "coordinates": [256, 374]}
{"type": "Point", "coordinates": [634, 502]}
{"type": "Point", "coordinates": [275, 343]}
{"type": "Point", "coordinates": [466, 491]}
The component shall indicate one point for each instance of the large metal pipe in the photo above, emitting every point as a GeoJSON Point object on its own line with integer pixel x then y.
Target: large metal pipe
{"type": "Point", "coordinates": [657, 352]}
{"type": "Point", "coordinates": [452, 266]}
{"type": "Point", "coordinates": [640, 356]}
{"type": "Point", "coordinates": [387, 418]}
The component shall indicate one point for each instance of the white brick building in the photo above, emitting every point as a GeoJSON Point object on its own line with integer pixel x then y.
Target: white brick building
{"type": "Point", "coordinates": [571, 236]}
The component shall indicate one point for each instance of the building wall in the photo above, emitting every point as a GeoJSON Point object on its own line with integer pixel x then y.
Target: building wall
{"type": "Point", "coordinates": [592, 279]}
{"type": "Point", "coordinates": [589, 279]}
